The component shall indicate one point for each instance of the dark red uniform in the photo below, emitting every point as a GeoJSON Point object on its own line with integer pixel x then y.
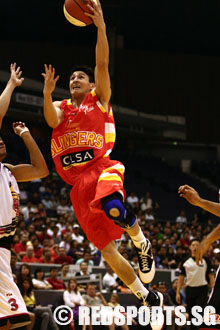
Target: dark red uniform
{"type": "Point", "coordinates": [80, 148]}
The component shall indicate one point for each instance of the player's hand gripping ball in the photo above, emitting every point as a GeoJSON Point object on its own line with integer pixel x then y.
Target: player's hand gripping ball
{"type": "Point", "coordinates": [74, 12]}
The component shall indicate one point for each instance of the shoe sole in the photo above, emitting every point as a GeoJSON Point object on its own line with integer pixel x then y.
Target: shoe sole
{"type": "Point", "coordinates": [159, 327]}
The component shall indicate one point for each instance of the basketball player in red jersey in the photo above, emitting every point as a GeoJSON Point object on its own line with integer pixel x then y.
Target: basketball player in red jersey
{"type": "Point", "coordinates": [13, 312]}
{"type": "Point", "coordinates": [82, 140]}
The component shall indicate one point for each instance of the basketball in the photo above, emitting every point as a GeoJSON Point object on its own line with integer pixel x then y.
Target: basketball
{"type": "Point", "coordinates": [74, 12]}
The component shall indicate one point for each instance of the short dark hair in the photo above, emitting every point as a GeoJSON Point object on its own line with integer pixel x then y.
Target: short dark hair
{"type": "Point", "coordinates": [194, 240]}
{"type": "Point", "coordinates": [38, 270]}
{"type": "Point", "coordinates": [86, 69]}
{"type": "Point", "coordinates": [54, 268]}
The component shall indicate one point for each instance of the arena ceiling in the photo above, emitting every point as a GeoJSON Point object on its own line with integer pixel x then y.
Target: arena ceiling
{"type": "Point", "coordinates": [165, 53]}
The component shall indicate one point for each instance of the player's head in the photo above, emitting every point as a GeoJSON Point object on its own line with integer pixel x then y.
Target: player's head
{"type": "Point", "coordinates": [81, 81]}
{"type": "Point", "coordinates": [3, 152]}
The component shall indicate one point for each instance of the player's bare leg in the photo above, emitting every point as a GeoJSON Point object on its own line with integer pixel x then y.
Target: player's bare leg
{"type": "Point", "coordinates": [117, 211]}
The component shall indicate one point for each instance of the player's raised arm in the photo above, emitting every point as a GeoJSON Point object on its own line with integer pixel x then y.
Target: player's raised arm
{"type": "Point", "coordinates": [38, 167]}
{"type": "Point", "coordinates": [52, 112]}
{"type": "Point", "coordinates": [192, 196]}
{"type": "Point", "coordinates": [102, 78]}
{"type": "Point", "coordinates": [14, 81]}
{"type": "Point", "coordinates": [207, 241]}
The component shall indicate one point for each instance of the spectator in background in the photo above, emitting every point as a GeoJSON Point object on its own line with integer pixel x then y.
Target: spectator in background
{"type": "Point", "coordinates": [65, 273]}
{"type": "Point", "coordinates": [179, 256]}
{"type": "Point", "coordinates": [62, 207]}
{"type": "Point", "coordinates": [46, 257]}
{"type": "Point", "coordinates": [149, 215]}
{"type": "Point", "coordinates": [23, 273]}
{"type": "Point", "coordinates": [185, 241]}
{"type": "Point", "coordinates": [83, 269]}
{"type": "Point", "coordinates": [109, 279]}
{"type": "Point", "coordinates": [35, 198]}
{"type": "Point", "coordinates": [76, 235]}
{"type": "Point", "coordinates": [86, 258]}
{"type": "Point", "coordinates": [50, 227]}
{"type": "Point", "coordinates": [95, 299]}
{"type": "Point", "coordinates": [62, 257]}
{"type": "Point", "coordinates": [39, 282]}
{"type": "Point", "coordinates": [65, 243]}
{"type": "Point", "coordinates": [146, 202]}
{"type": "Point", "coordinates": [74, 251]}
{"type": "Point", "coordinates": [29, 207]}
{"type": "Point", "coordinates": [23, 194]}
{"type": "Point", "coordinates": [161, 287]}
{"type": "Point", "coordinates": [54, 281]}
{"type": "Point", "coordinates": [47, 203]}
{"type": "Point", "coordinates": [37, 248]}
{"type": "Point", "coordinates": [73, 299]}
{"type": "Point", "coordinates": [44, 313]}
{"type": "Point", "coordinates": [181, 217]}
{"type": "Point", "coordinates": [29, 257]}
{"type": "Point", "coordinates": [41, 210]}
{"type": "Point", "coordinates": [20, 248]}
{"type": "Point", "coordinates": [56, 237]}
{"type": "Point", "coordinates": [132, 199]}
{"type": "Point", "coordinates": [48, 243]}
{"type": "Point", "coordinates": [61, 224]}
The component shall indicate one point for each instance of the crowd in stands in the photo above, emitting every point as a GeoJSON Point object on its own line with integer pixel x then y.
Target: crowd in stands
{"type": "Point", "coordinates": [48, 231]}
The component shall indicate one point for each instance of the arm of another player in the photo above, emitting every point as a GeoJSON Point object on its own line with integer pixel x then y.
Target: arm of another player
{"type": "Point", "coordinates": [102, 78]}
{"type": "Point", "coordinates": [204, 245]}
{"type": "Point", "coordinates": [192, 196]}
{"type": "Point", "coordinates": [14, 81]}
{"type": "Point", "coordinates": [52, 113]}
{"type": "Point", "coordinates": [38, 167]}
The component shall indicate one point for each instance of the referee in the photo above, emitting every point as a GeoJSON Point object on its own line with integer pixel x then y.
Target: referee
{"type": "Point", "coordinates": [196, 279]}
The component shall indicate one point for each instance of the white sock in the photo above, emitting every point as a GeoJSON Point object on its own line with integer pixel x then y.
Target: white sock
{"type": "Point", "coordinates": [138, 239]}
{"type": "Point", "coordinates": [137, 286]}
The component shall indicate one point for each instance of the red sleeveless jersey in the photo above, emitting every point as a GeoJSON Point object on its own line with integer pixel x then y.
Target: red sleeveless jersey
{"type": "Point", "coordinates": [85, 135]}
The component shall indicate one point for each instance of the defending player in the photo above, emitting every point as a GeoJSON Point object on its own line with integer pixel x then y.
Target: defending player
{"type": "Point", "coordinates": [13, 312]}
{"type": "Point", "coordinates": [83, 138]}
{"type": "Point", "coordinates": [192, 196]}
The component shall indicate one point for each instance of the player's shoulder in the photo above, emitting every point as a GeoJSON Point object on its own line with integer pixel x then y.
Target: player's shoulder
{"type": "Point", "coordinates": [57, 103]}
{"type": "Point", "coordinates": [105, 108]}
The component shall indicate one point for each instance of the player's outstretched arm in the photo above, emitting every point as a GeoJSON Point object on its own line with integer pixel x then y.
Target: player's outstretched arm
{"type": "Point", "coordinates": [192, 196]}
{"type": "Point", "coordinates": [52, 113]}
{"type": "Point", "coordinates": [205, 244]}
{"type": "Point", "coordinates": [102, 78]}
{"type": "Point", "coordinates": [38, 167]}
{"type": "Point", "coordinates": [14, 81]}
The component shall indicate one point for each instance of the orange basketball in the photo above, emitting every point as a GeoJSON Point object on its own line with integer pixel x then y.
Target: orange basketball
{"type": "Point", "coordinates": [74, 12]}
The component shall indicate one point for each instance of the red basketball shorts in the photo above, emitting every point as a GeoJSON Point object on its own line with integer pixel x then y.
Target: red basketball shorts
{"type": "Point", "coordinates": [99, 180]}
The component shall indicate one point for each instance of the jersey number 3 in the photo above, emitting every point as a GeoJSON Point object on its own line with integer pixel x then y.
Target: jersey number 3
{"type": "Point", "coordinates": [13, 303]}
